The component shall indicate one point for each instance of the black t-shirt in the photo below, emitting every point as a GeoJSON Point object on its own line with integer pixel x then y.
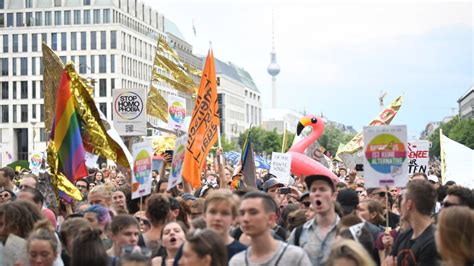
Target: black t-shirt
{"type": "Point", "coordinates": [420, 251]}
{"type": "Point", "coordinates": [393, 220]}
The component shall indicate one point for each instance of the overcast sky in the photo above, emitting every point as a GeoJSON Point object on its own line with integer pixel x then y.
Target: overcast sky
{"type": "Point", "coordinates": [336, 58]}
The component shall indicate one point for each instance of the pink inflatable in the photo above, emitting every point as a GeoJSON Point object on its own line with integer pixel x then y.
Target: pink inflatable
{"type": "Point", "coordinates": [302, 165]}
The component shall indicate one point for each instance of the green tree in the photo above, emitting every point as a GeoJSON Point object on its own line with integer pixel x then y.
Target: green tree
{"type": "Point", "coordinates": [331, 138]}
{"type": "Point", "coordinates": [228, 145]}
{"type": "Point", "coordinates": [456, 129]}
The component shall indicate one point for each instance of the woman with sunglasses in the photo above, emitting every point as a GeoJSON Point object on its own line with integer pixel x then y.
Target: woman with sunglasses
{"type": "Point", "coordinates": [7, 195]}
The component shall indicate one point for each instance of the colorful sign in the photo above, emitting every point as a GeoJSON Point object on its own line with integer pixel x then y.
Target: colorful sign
{"type": "Point", "coordinates": [281, 166]}
{"type": "Point", "coordinates": [36, 162]}
{"type": "Point", "coordinates": [177, 163]}
{"type": "Point", "coordinates": [418, 156]}
{"type": "Point", "coordinates": [385, 156]}
{"type": "Point", "coordinates": [129, 114]}
{"type": "Point", "coordinates": [141, 174]}
{"type": "Point", "coordinates": [176, 112]}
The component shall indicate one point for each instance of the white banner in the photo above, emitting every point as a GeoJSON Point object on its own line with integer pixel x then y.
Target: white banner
{"type": "Point", "coordinates": [129, 115]}
{"type": "Point", "coordinates": [281, 166]}
{"type": "Point", "coordinates": [458, 162]}
{"type": "Point", "coordinates": [418, 156]}
{"type": "Point", "coordinates": [385, 156]}
{"type": "Point", "coordinates": [177, 163]}
{"type": "Point", "coordinates": [142, 166]}
{"type": "Point", "coordinates": [176, 112]}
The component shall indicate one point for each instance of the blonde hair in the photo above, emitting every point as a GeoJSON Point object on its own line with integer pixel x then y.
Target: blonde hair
{"type": "Point", "coordinates": [105, 190]}
{"type": "Point", "coordinates": [349, 249]}
{"type": "Point", "coordinates": [456, 234]}
{"type": "Point", "coordinates": [221, 195]}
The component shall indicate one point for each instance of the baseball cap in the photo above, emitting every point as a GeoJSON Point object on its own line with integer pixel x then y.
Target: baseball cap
{"type": "Point", "coordinates": [304, 195]}
{"type": "Point", "coordinates": [433, 178]}
{"type": "Point", "coordinates": [348, 199]}
{"type": "Point", "coordinates": [311, 178]}
{"type": "Point", "coordinates": [271, 183]}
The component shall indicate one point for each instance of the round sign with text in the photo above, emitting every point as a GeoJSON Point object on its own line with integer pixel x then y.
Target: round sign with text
{"type": "Point", "coordinates": [385, 153]}
{"type": "Point", "coordinates": [129, 105]}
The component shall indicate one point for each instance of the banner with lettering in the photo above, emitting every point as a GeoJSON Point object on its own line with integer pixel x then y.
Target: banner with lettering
{"type": "Point", "coordinates": [418, 156]}
{"type": "Point", "coordinates": [385, 156]}
{"type": "Point", "coordinates": [129, 114]}
{"type": "Point", "coordinates": [281, 166]}
{"type": "Point", "coordinates": [202, 132]}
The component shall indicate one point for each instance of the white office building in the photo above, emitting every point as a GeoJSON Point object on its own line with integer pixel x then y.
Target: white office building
{"type": "Point", "coordinates": [111, 41]}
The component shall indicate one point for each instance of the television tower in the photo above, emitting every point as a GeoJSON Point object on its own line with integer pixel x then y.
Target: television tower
{"type": "Point", "coordinates": [273, 69]}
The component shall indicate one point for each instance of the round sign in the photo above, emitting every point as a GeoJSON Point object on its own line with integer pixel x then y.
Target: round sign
{"type": "Point", "coordinates": [142, 166]}
{"type": "Point", "coordinates": [385, 152]}
{"type": "Point", "coordinates": [128, 105]}
{"type": "Point", "coordinates": [177, 112]}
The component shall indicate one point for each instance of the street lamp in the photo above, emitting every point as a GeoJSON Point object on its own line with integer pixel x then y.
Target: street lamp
{"type": "Point", "coordinates": [33, 122]}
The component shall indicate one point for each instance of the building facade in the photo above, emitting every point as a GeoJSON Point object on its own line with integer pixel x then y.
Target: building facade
{"type": "Point", "coordinates": [112, 42]}
{"type": "Point", "coordinates": [466, 105]}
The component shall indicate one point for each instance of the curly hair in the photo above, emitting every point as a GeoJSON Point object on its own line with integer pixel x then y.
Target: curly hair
{"type": "Point", "coordinates": [158, 208]}
{"type": "Point", "coordinates": [20, 217]}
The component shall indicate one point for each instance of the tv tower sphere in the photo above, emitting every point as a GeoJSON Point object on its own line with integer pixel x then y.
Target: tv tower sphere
{"type": "Point", "coordinates": [273, 69]}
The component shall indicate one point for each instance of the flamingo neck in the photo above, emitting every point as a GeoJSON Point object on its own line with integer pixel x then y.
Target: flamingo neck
{"type": "Point", "coordinates": [301, 146]}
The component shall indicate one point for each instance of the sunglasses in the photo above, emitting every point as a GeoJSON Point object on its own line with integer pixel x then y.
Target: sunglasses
{"type": "Point", "coordinates": [446, 204]}
{"type": "Point", "coordinates": [381, 194]}
{"type": "Point", "coordinates": [145, 221]}
{"type": "Point", "coordinates": [5, 195]}
{"type": "Point", "coordinates": [306, 204]}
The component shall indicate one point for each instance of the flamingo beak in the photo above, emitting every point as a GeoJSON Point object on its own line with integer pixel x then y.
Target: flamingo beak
{"type": "Point", "coordinates": [305, 121]}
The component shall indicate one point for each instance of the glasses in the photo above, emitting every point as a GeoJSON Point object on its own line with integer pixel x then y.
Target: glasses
{"type": "Point", "coordinates": [306, 204]}
{"type": "Point", "coordinates": [380, 194]}
{"type": "Point", "coordinates": [145, 221]}
{"type": "Point", "coordinates": [446, 204]}
{"type": "Point", "coordinates": [81, 186]}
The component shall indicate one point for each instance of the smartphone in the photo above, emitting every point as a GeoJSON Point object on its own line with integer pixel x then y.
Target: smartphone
{"type": "Point", "coordinates": [285, 190]}
{"type": "Point", "coordinates": [359, 167]}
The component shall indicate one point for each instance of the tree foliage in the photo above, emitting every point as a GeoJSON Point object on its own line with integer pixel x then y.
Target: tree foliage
{"type": "Point", "coordinates": [461, 131]}
{"type": "Point", "coordinates": [332, 137]}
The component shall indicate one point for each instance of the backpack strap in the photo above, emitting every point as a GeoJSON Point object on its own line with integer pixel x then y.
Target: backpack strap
{"type": "Point", "coordinates": [281, 255]}
{"type": "Point", "coordinates": [298, 231]}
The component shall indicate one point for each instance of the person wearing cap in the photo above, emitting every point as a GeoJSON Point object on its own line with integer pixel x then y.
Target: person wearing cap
{"type": "Point", "coordinates": [317, 235]}
{"type": "Point", "coordinates": [271, 187]}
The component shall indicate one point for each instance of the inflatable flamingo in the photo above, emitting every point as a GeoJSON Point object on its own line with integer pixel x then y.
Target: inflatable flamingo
{"type": "Point", "coordinates": [302, 165]}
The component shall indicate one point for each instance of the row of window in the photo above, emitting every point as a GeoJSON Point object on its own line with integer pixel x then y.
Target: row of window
{"type": "Point", "coordinates": [20, 65]}
{"type": "Point", "coordinates": [20, 113]}
{"type": "Point", "coordinates": [55, 18]}
{"type": "Point", "coordinates": [136, 68]}
{"type": "Point", "coordinates": [58, 41]}
{"type": "Point", "coordinates": [12, 90]}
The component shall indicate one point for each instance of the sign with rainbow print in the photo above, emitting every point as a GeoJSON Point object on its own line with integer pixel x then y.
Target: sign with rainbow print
{"type": "Point", "coordinates": [177, 164]}
{"type": "Point", "coordinates": [142, 166]}
{"type": "Point", "coordinates": [176, 112]}
{"type": "Point", "coordinates": [385, 156]}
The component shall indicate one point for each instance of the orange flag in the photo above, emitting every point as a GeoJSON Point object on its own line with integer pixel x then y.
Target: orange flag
{"type": "Point", "coordinates": [202, 132]}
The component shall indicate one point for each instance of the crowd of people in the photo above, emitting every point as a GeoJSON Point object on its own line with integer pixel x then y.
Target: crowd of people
{"type": "Point", "coordinates": [314, 220]}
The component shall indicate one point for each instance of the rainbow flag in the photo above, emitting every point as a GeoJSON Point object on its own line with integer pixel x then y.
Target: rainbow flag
{"type": "Point", "coordinates": [248, 163]}
{"type": "Point", "coordinates": [66, 133]}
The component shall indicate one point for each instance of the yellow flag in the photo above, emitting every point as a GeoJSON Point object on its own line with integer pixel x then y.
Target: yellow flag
{"type": "Point", "coordinates": [384, 118]}
{"type": "Point", "coordinates": [203, 129]}
{"type": "Point", "coordinates": [156, 105]}
{"type": "Point", "coordinates": [53, 69]}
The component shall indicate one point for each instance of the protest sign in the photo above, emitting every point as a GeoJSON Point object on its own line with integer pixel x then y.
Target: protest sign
{"type": "Point", "coordinates": [176, 112]}
{"type": "Point", "coordinates": [177, 163]}
{"type": "Point", "coordinates": [418, 156]}
{"type": "Point", "coordinates": [36, 162]}
{"type": "Point", "coordinates": [385, 156]}
{"type": "Point", "coordinates": [281, 166]}
{"type": "Point", "coordinates": [129, 114]}
{"type": "Point", "coordinates": [142, 166]}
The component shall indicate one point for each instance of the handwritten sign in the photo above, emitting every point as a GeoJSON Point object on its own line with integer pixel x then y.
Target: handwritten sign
{"type": "Point", "coordinates": [385, 156]}
{"type": "Point", "coordinates": [418, 156]}
{"type": "Point", "coordinates": [141, 174]}
{"type": "Point", "coordinates": [281, 166]}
